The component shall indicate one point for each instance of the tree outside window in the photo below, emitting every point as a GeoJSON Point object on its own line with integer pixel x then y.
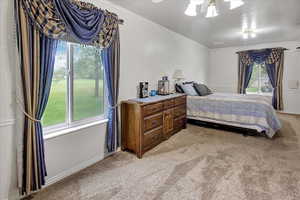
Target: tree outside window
{"type": "Point", "coordinates": [77, 91]}
{"type": "Point", "coordinates": [260, 82]}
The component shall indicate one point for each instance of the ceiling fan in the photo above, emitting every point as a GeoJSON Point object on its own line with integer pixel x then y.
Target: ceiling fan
{"type": "Point", "coordinates": [208, 6]}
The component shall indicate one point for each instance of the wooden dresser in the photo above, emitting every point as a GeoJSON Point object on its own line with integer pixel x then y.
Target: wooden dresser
{"type": "Point", "coordinates": [147, 122]}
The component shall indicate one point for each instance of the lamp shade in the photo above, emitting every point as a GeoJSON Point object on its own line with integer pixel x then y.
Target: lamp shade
{"type": "Point", "coordinates": [178, 74]}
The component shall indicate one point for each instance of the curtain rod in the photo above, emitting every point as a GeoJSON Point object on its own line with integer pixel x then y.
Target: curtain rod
{"type": "Point", "coordinates": [285, 49]}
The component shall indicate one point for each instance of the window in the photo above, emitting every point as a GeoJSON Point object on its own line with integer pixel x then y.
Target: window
{"type": "Point", "coordinates": [77, 91]}
{"type": "Point", "coordinates": [259, 82]}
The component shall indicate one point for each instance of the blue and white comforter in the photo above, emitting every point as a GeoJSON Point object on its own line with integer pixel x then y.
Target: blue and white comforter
{"type": "Point", "coordinates": [247, 111]}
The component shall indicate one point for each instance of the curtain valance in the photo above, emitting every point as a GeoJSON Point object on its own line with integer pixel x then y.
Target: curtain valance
{"type": "Point", "coordinates": [72, 20]}
{"type": "Point", "coordinates": [268, 56]}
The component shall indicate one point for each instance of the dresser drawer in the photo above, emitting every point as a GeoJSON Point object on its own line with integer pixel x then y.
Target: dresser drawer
{"type": "Point", "coordinates": [152, 109]}
{"type": "Point", "coordinates": [179, 111]}
{"type": "Point", "coordinates": [169, 104]}
{"type": "Point", "coordinates": [179, 122]}
{"type": "Point", "coordinates": [152, 138]}
{"type": "Point", "coordinates": [180, 100]}
{"type": "Point", "coordinates": [153, 122]}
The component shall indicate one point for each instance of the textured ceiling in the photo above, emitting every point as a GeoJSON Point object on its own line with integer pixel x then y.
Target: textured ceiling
{"type": "Point", "coordinates": [276, 20]}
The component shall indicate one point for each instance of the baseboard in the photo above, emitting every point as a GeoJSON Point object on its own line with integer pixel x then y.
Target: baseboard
{"type": "Point", "coordinates": [288, 113]}
{"type": "Point", "coordinates": [73, 170]}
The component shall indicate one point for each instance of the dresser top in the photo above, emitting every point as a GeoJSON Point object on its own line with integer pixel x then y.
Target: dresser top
{"type": "Point", "coordinates": [156, 98]}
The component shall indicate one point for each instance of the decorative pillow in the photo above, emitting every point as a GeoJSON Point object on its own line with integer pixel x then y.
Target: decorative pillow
{"type": "Point", "coordinates": [178, 88]}
{"type": "Point", "coordinates": [202, 89]}
{"type": "Point", "coordinates": [188, 82]}
{"type": "Point", "coordinates": [189, 89]}
{"type": "Point", "coordinates": [208, 90]}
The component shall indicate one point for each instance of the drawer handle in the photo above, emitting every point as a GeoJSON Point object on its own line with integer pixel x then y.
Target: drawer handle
{"type": "Point", "coordinates": [154, 109]}
{"type": "Point", "coordinates": [154, 123]}
{"type": "Point", "coordinates": [155, 137]}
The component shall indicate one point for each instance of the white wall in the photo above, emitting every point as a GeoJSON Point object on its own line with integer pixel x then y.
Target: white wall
{"type": "Point", "coordinates": [223, 71]}
{"type": "Point", "coordinates": [72, 152]}
{"type": "Point", "coordinates": [148, 51]}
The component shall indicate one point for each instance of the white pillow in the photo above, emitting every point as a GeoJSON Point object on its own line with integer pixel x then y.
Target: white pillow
{"type": "Point", "coordinates": [189, 89]}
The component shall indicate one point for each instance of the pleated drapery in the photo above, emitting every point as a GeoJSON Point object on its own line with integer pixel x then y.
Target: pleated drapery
{"type": "Point", "coordinates": [111, 61]}
{"type": "Point", "coordinates": [73, 20]}
{"type": "Point", "coordinates": [273, 58]}
{"type": "Point", "coordinates": [40, 23]}
{"type": "Point", "coordinates": [82, 24]}
{"type": "Point", "coordinates": [37, 53]}
{"type": "Point", "coordinates": [275, 73]}
{"type": "Point", "coordinates": [244, 76]}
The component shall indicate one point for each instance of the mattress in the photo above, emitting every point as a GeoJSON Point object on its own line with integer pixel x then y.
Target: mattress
{"type": "Point", "coordinates": [246, 111]}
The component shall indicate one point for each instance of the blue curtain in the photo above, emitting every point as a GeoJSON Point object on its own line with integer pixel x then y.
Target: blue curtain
{"type": "Point", "coordinates": [244, 74]}
{"type": "Point", "coordinates": [272, 76]}
{"type": "Point", "coordinates": [274, 61]}
{"type": "Point", "coordinates": [247, 77]}
{"type": "Point", "coordinates": [246, 63]}
{"type": "Point", "coordinates": [37, 21]}
{"type": "Point", "coordinates": [256, 57]}
{"type": "Point", "coordinates": [111, 61]}
{"type": "Point", "coordinates": [47, 55]}
{"type": "Point", "coordinates": [82, 24]}
{"type": "Point", "coordinates": [37, 55]}
{"type": "Point", "coordinates": [260, 56]}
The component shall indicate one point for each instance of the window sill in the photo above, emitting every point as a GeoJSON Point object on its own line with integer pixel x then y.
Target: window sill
{"type": "Point", "coordinates": [260, 94]}
{"type": "Point", "coordinates": [58, 133]}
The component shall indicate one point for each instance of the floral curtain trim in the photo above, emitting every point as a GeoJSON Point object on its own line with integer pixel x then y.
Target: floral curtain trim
{"type": "Point", "coordinates": [271, 55]}
{"type": "Point", "coordinates": [46, 16]}
{"type": "Point", "coordinates": [109, 30]}
{"type": "Point", "coordinates": [43, 15]}
{"type": "Point", "coordinates": [275, 55]}
{"type": "Point", "coordinates": [84, 5]}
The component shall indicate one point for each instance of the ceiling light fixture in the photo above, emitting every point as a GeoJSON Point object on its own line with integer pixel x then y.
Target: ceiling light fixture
{"type": "Point", "coordinates": [212, 9]}
{"type": "Point", "coordinates": [192, 7]}
{"type": "Point", "coordinates": [209, 6]}
{"type": "Point", "coordinates": [249, 33]}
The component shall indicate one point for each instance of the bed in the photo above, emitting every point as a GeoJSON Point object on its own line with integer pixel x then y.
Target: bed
{"type": "Point", "coordinates": [254, 112]}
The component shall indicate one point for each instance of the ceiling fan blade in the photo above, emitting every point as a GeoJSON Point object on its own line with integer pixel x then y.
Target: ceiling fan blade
{"type": "Point", "coordinates": [157, 1]}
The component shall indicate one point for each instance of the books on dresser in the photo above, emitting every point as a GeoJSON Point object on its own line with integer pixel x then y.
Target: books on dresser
{"type": "Point", "coordinates": [149, 121]}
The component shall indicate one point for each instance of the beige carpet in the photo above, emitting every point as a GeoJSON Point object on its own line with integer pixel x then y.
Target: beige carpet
{"type": "Point", "coordinates": [197, 163]}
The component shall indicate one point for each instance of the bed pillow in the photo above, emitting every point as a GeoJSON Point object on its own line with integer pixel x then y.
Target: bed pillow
{"type": "Point", "coordinates": [202, 90]}
{"type": "Point", "coordinates": [189, 89]}
{"type": "Point", "coordinates": [178, 88]}
{"type": "Point", "coordinates": [188, 82]}
{"type": "Point", "coordinates": [208, 90]}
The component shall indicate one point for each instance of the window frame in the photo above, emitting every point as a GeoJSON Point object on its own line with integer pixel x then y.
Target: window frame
{"type": "Point", "coordinates": [259, 83]}
{"type": "Point", "coordinates": [70, 123]}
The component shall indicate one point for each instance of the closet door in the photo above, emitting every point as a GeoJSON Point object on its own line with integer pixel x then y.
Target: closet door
{"type": "Point", "coordinates": [291, 92]}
